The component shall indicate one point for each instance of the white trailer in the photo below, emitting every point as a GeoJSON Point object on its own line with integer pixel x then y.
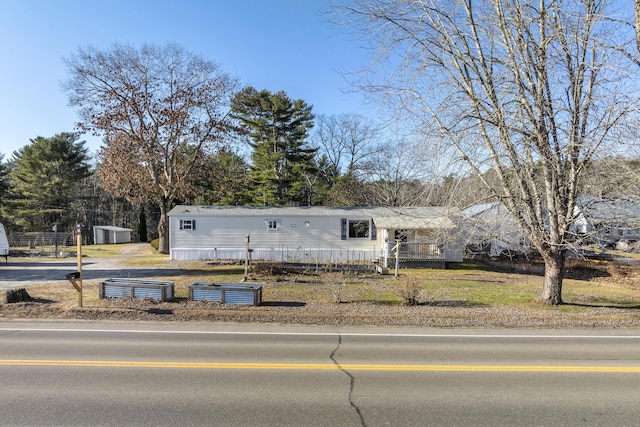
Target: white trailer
{"type": "Point", "coordinates": [4, 243]}
{"type": "Point", "coordinates": [311, 233]}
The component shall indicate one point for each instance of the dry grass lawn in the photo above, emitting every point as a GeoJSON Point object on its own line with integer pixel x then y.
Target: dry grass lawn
{"type": "Point", "coordinates": [596, 294]}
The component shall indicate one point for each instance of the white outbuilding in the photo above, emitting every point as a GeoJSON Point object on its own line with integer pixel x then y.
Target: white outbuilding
{"type": "Point", "coordinates": [108, 234]}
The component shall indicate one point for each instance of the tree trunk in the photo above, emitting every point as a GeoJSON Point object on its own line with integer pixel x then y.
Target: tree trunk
{"type": "Point", "coordinates": [637, 6]}
{"type": "Point", "coordinates": [163, 228]}
{"type": "Point", "coordinates": [553, 276]}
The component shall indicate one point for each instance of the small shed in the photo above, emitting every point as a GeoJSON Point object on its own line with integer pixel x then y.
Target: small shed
{"type": "Point", "coordinates": [108, 234]}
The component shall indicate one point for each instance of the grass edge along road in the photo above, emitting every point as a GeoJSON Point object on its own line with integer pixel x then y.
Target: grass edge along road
{"type": "Point", "coordinates": [596, 294]}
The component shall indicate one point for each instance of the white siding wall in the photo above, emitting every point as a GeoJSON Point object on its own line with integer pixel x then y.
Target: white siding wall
{"type": "Point", "coordinates": [4, 242]}
{"type": "Point", "coordinates": [123, 236]}
{"type": "Point", "coordinates": [220, 237]}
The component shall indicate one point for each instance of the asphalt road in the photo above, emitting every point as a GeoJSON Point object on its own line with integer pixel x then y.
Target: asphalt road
{"type": "Point", "coordinates": [71, 373]}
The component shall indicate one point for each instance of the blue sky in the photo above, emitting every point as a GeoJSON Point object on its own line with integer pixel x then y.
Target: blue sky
{"type": "Point", "coordinates": [269, 44]}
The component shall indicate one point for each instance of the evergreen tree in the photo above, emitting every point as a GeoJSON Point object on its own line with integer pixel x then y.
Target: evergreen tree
{"type": "Point", "coordinates": [317, 182]}
{"type": "Point", "coordinates": [223, 179]}
{"type": "Point", "coordinates": [278, 128]}
{"type": "Point", "coordinates": [4, 181]}
{"type": "Point", "coordinates": [349, 191]}
{"type": "Point", "coordinates": [45, 178]}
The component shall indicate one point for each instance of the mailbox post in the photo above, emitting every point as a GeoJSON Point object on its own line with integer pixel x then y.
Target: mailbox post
{"type": "Point", "coordinates": [73, 278]}
{"type": "Point", "coordinates": [76, 277]}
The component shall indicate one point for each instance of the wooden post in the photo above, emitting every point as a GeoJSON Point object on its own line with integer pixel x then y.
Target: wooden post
{"type": "Point", "coordinates": [397, 248]}
{"type": "Point", "coordinates": [246, 259]}
{"type": "Point", "coordinates": [55, 238]}
{"type": "Point", "coordinates": [79, 250]}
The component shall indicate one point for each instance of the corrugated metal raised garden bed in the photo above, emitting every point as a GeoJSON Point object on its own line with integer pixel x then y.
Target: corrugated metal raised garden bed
{"type": "Point", "coordinates": [226, 293]}
{"type": "Point", "coordinates": [133, 288]}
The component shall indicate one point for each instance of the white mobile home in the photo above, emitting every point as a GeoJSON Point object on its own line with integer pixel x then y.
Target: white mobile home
{"type": "Point", "coordinates": [606, 217]}
{"type": "Point", "coordinates": [347, 234]}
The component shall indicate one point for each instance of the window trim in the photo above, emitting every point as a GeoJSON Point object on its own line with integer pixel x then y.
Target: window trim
{"type": "Point", "coordinates": [188, 224]}
{"type": "Point", "coordinates": [272, 224]}
{"type": "Point", "coordinates": [347, 228]}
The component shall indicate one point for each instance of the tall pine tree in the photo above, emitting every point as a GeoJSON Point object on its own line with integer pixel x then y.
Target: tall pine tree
{"type": "Point", "coordinates": [281, 159]}
{"type": "Point", "coordinates": [45, 178]}
{"type": "Point", "coordinates": [4, 181]}
{"type": "Point", "coordinates": [223, 180]}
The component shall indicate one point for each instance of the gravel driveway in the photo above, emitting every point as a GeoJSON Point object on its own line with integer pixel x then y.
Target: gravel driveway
{"type": "Point", "coordinates": [23, 272]}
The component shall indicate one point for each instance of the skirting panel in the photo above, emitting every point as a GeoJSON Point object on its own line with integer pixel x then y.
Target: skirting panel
{"type": "Point", "coordinates": [417, 263]}
{"type": "Point", "coordinates": [277, 254]}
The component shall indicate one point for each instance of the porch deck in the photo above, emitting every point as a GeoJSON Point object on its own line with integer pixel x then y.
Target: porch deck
{"type": "Point", "coordinates": [418, 255]}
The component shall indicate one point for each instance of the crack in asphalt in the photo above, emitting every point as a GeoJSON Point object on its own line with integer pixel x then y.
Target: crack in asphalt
{"type": "Point", "coordinates": [352, 381]}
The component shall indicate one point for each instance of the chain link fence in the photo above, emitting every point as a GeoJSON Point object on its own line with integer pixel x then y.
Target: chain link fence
{"type": "Point", "coordinates": [41, 243]}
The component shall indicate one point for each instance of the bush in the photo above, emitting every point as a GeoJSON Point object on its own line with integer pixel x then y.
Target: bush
{"type": "Point", "coordinates": [155, 244]}
{"type": "Point", "coordinates": [335, 282]}
{"type": "Point", "coordinates": [408, 288]}
{"type": "Point", "coordinates": [268, 268]}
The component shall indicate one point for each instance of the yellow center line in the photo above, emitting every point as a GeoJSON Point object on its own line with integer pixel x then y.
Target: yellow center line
{"type": "Point", "coordinates": [322, 366]}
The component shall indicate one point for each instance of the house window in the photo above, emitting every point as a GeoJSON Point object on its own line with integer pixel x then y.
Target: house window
{"type": "Point", "coordinates": [187, 224]}
{"type": "Point", "coordinates": [272, 224]}
{"type": "Point", "coordinates": [359, 228]}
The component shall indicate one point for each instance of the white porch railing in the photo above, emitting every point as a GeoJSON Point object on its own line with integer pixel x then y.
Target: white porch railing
{"type": "Point", "coordinates": [420, 250]}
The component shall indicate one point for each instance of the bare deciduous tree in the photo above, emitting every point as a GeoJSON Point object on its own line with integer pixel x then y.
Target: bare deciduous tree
{"type": "Point", "coordinates": [530, 89]}
{"type": "Point", "coordinates": [396, 172]}
{"type": "Point", "coordinates": [637, 21]}
{"type": "Point", "coordinates": [346, 140]}
{"type": "Point", "coordinates": [158, 108]}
